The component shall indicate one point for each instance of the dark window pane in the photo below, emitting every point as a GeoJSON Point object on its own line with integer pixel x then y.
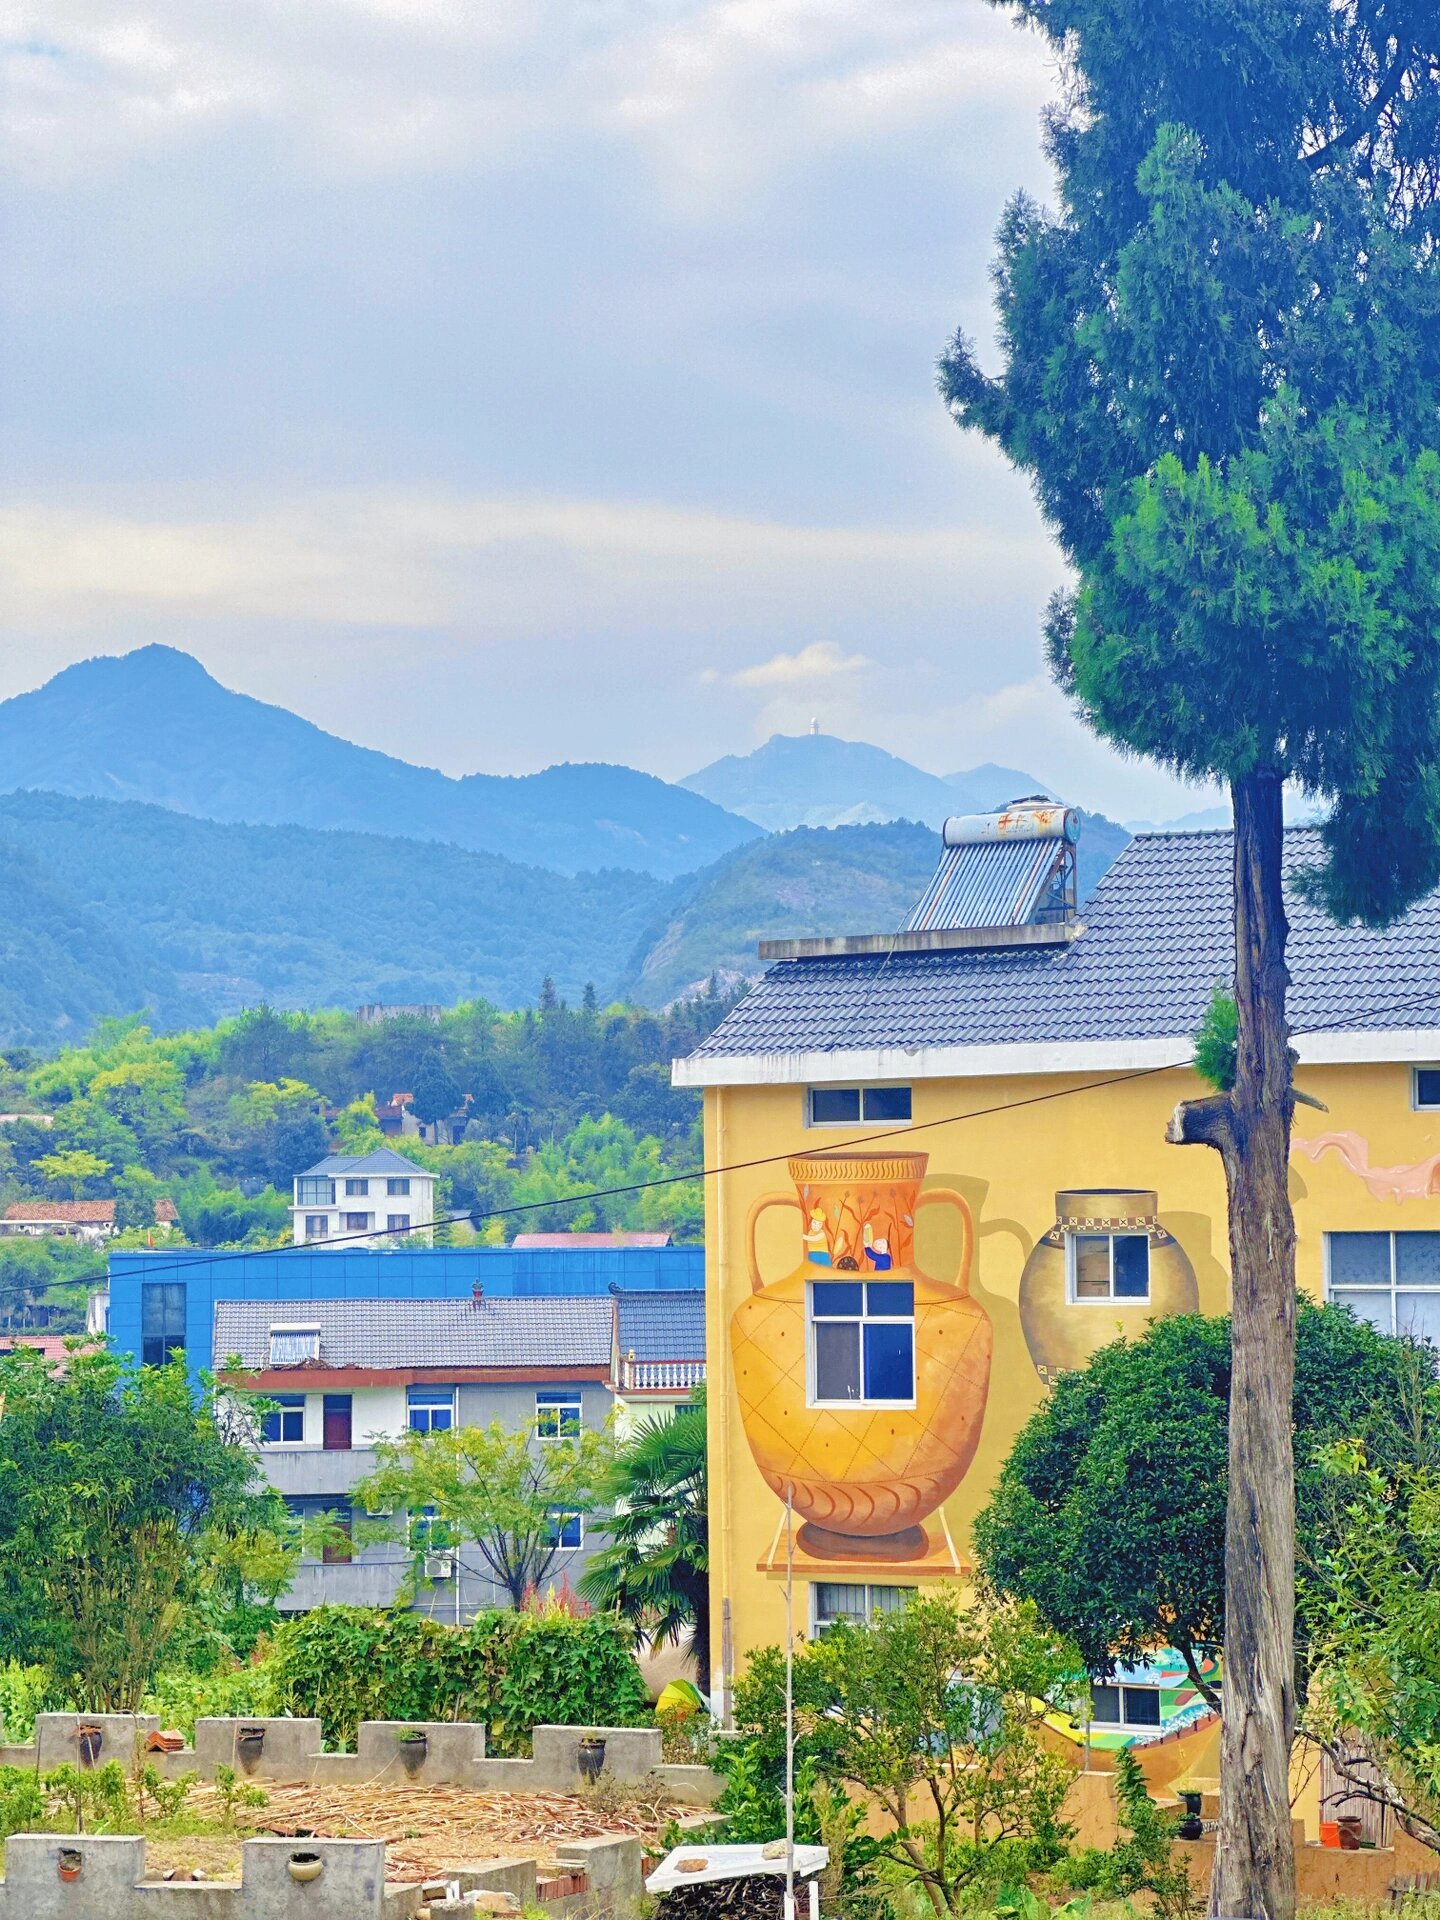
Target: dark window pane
{"type": "Point", "coordinates": [1092, 1266]}
{"type": "Point", "coordinates": [1417, 1259]}
{"type": "Point", "coordinates": [837, 1360]}
{"type": "Point", "coordinates": [162, 1320]}
{"type": "Point", "coordinates": [1132, 1266]}
{"type": "Point", "coordinates": [1360, 1259]}
{"type": "Point", "coordinates": [889, 1360]}
{"type": "Point", "coordinates": [1427, 1086]}
{"type": "Point", "coordinates": [891, 1297]}
{"type": "Point", "coordinates": [887, 1103]}
{"type": "Point", "coordinates": [829, 1297]}
{"type": "Point", "coordinates": [831, 1106]}
{"type": "Point", "coordinates": [838, 1600]}
{"type": "Point", "coordinates": [338, 1552]}
{"type": "Point", "coordinates": [1105, 1704]}
{"type": "Point", "coordinates": [1142, 1706]}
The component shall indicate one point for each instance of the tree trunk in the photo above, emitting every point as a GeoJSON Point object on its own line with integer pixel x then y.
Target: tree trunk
{"type": "Point", "coordinates": [1250, 1128]}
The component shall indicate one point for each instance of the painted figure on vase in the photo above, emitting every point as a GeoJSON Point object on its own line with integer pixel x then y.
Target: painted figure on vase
{"type": "Point", "coordinates": [861, 1380]}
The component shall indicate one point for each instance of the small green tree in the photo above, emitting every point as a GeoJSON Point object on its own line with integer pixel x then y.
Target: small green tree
{"type": "Point", "coordinates": [1109, 1511]}
{"type": "Point", "coordinates": [509, 1492]}
{"type": "Point", "coordinates": [656, 1571]}
{"type": "Point", "coordinates": [435, 1093]}
{"type": "Point", "coordinates": [74, 1168]}
{"type": "Point", "coordinates": [115, 1484]}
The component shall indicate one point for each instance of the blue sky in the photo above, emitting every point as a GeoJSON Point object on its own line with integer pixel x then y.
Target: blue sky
{"type": "Point", "coordinates": [504, 381]}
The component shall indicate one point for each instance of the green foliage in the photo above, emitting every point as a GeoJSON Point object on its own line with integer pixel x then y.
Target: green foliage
{"type": "Point", "coordinates": [1221, 372]}
{"type": "Point", "coordinates": [655, 1572]}
{"type": "Point", "coordinates": [22, 1802]}
{"type": "Point", "coordinates": [115, 1487]}
{"type": "Point", "coordinates": [1109, 1512]}
{"type": "Point", "coordinates": [510, 1669]}
{"type": "Point", "coordinates": [1216, 1041]}
{"type": "Point", "coordinates": [1143, 1859]}
{"type": "Point", "coordinates": [181, 1696]}
{"type": "Point", "coordinates": [502, 1490]}
{"type": "Point", "coordinates": [24, 1692]}
{"type": "Point", "coordinates": [972, 1793]}
{"type": "Point", "coordinates": [236, 1796]}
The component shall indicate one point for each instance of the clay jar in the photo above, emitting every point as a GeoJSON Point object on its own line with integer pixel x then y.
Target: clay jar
{"type": "Point", "coordinates": [1062, 1333]}
{"type": "Point", "coordinates": [866, 1477]}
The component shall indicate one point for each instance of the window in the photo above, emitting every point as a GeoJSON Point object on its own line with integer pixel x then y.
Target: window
{"type": "Point", "coordinates": [337, 1550]}
{"type": "Point", "coordinates": [862, 1341]}
{"type": "Point", "coordinates": [431, 1409]}
{"type": "Point", "coordinates": [426, 1534]}
{"type": "Point", "coordinates": [848, 1106]}
{"type": "Point", "coordinates": [1389, 1279]}
{"type": "Point", "coordinates": [1425, 1088]}
{"type": "Point", "coordinates": [565, 1530]}
{"type": "Point", "coordinates": [317, 1226]}
{"type": "Point", "coordinates": [293, 1346]}
{"type": "Point", "coordinates": [162, 1320]}
{"type": "Point", "coordinates": [357, 1189]}
{"type": "Point", "coordinates": [314, 1190]}
{"type": "Point", "coordinates": [1109, 1266]}
{"type": "Point", "coordinates": [398, 1222]}
{"type": "Point", "coordinates": [1118, 1706]}
{"type": "Point", "coordinates": [357, 1222]}
{"type": "Point", "coordinates": [393, 1187]}
{"type": "Point", "coordinates": [284, 1423]}
{"type": "Point", "coordinates": [559, 1415]}
{"type": "Point", "coordinates": [835, 1601]}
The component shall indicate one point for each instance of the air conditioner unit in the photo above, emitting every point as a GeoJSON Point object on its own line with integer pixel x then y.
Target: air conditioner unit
{"type": "Point", "coordinates": [439, 1566]}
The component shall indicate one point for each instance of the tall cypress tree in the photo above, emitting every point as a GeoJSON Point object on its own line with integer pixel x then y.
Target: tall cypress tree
{"type": "Point", "coordinates": [1221, 369]}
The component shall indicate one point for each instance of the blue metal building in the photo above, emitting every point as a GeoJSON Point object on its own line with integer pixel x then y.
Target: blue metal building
{"type": "Point", "coordinates": [162, 1299]}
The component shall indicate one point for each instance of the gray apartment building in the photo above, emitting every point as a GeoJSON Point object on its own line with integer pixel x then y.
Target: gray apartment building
{"type": "Point", "coordinates": [339, 1373]}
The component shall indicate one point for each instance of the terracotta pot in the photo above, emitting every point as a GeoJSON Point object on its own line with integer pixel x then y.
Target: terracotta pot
{"type": "Point", "coordinates": [70, 1863]}
{"type": "Point", "coordinates": [1062, 1333]}
{"type": "Point", "coordinates": [1349, 1829]}
{"type": "Point", "coordinates": [868, 1475]}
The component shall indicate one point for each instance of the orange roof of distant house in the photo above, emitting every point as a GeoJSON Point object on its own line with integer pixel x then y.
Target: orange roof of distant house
{"type": "Point", "coordinates": [94, 1213]}
{"type": "Point", "coordinates": [165, 1214]}
{"type": "Point", "coordinates": [534, 1242]}
{"type": "Point", "coordinates": [50, 1346]}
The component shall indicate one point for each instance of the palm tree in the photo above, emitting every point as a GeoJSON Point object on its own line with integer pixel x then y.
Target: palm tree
{"type": "Point", "coordinates": [655, 1573]}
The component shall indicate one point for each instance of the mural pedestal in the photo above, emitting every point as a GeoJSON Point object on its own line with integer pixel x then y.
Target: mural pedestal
{"type": "Point", "coordinates": [927, 1551]}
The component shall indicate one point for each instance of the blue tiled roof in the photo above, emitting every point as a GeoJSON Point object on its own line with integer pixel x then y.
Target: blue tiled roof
{"type": "Point", "coordinates": [424, 1333]}
{"type": "Point", "coordinates": [1158, 940]}
{"type": "Point", "coordinates": [382, 1160]}
{"type": "Point", "coordinates": [661, 1326]}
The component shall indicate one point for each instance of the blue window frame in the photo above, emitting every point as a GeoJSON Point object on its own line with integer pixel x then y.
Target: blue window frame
{"type": "Point", "coordinates": [566, 1530]}
{"type": "Point", "coordinates": [284, 1424]}
{"type": "Point", "coordinates": [430, 1409]}
{"type": "Point", "coordinates": [862, 1342]}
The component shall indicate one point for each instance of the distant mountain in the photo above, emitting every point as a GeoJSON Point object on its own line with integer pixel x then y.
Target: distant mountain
{"type": "Point", "coordinates": [191, 919]}
{"type": "Point", "coordinates": [816, 780]}
{"type": "Point", "coordinates": [154, 726]}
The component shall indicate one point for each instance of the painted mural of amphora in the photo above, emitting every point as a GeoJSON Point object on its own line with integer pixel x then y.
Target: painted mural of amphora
{"type": "Point", "coordinates": [864, 1476]}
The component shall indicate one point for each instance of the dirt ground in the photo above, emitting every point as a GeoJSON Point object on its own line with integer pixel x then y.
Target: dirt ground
{"type": "Point", "coordinates": [425, 1829]}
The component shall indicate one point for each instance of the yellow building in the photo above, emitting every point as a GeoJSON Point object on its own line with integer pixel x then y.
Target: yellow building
{"type": "Point", "coordinates": [944, 1177]}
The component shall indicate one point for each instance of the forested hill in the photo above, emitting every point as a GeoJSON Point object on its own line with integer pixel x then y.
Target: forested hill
{"type": "Point", "coordinates": [154, 726]}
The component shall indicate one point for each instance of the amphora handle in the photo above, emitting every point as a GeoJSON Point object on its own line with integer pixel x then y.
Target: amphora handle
{"type": "Point", "coordinates": [757, 1283]}
{"type": "Point", "coordinates": [948, 1197]}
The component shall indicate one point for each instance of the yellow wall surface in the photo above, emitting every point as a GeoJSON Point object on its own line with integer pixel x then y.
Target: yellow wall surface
{"type": "Point", "coordinates": [1008, 1152]}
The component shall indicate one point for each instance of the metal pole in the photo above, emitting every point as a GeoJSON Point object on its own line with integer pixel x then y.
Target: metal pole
{"type": "Point", "coordinates": [789, 1700]}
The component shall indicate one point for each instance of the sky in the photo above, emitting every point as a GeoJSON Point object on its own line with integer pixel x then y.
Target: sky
{"type": "Point", "coordinates": [497, 382]}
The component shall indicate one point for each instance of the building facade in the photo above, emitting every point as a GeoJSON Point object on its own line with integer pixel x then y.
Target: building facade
{"type": "Point", "coordinates": [964, 1188]}
{"type": "Point", "coordinates": [378, 1199]}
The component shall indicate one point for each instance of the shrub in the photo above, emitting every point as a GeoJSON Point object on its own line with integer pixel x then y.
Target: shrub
{"type": "Point", "coordinates": [181, 1698]}
{"type": "Point", "coordinates": [24, 1692]}
{"type": "Point", "coordinates": [540, 1666]}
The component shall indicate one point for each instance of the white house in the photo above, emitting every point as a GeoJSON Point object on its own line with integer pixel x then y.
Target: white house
{"type": "Point", "coordinates": [375, 1199]}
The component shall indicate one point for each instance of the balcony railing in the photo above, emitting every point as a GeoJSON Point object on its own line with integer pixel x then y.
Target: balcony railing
{"type": "Point", "coordinates": [661, 1376]}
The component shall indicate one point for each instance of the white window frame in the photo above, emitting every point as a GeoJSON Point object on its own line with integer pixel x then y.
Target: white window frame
{"type": "Point", "coordinates": [1391, 1291]}
{"type": "Point", "coordinates": [869, 1587]}
{"type": "Point", "coordinates": [437, 1396]}
{"type": "Point", "coordinates": [556, 1401]}
{"type": "Point", "coordinates": [860, 1089]}
{"type": "Point", "coordinates": [1418, 1105]}
{"type": "Point", "coordinates": [323, 1197]}
{"type": "Point", "coordinates": [293, 1331]}
{"type": "Point", "coordinates": [284, 1403]}
{"type": "Point", "coordinates": [1111, 1299]}
{"type": "Point", "coordinates": [831, 1276]}
{"type": "Point", "coordinates": [357, 1189]}
{"type": "Point", "coordinates": [1122, 1687]}
{"type": "Point", "coordinates": [556, 1517]}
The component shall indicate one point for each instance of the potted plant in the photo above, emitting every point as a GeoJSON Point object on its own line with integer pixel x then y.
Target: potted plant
{"type": "Point", "coordinates": [304, 1867]}
{"type": "Point", "coordinates": [89, 1738]}
{"type": "Point", "coordinates": [592, 1755]}
{"type": "Point", "coordinates": [70, 1863]}
{"type": "Point", "coordinates": [414, 1745]}
{"type": "Point", "coordinates": [1191, 1800]}
{"type": "Point", "coordinates": [249, 1745]}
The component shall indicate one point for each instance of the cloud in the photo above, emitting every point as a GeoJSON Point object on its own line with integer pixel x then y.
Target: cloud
{"type": "Point", "coordinates": [821, 660]}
